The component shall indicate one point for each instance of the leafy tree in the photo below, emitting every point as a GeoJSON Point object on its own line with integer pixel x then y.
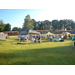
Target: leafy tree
{"type": "Point", "coordinates": [19, 29]}
{"type": "Point", "coordinates": [7, 27]}
{"type": "Point", "coordinates": [34, 24]}
{"type": "Point", "coordinates": [1, 26]}
{"type": "Point", "coordinates": [50, 29]}
{"type": "Point", "coordinates": [55, 24]}
{"type": "Point", "coordinates": [15, 29]}
{"type": "Point", "coordinates": [28, 23]}
{"type": "Point", "coordinates": [47, 24]}
{"type": "Point", "coordinates": [69, 28]}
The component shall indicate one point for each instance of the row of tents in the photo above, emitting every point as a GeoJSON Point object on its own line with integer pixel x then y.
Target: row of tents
{"type": "Point", "coordinates": [30, 31]}
{"type": "Point", "coordinates": [68, 33]}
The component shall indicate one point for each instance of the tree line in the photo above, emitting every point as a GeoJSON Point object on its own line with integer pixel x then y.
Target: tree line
{"type": "Point", "coordinates": [40, 25]}
{"type": "Point", "coordinates": [48, 25]}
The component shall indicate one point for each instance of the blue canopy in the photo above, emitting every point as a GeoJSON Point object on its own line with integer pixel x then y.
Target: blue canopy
{"type": "Point", "coordinates": [73, 33]}
{"type": "Point", "coordinates": [24, 33]}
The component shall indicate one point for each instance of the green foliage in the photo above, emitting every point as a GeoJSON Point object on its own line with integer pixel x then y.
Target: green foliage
{"type": "Point", "coordinates": [69, 28]}
{"type": "Point", "coordinates": [1, 26]}
{"type": "Point", "coordinates": [50, 29]}
{"type": "Point", "coordinates": [7, 27]}
{"type": "Point", "coordinates": [19, 29]}
{"type": "Point", "coordinates": [15, 29]}
{"type": "Point", "coordinates": [55, 25]}
{"type": "Point", "coordinates": [28, 23]}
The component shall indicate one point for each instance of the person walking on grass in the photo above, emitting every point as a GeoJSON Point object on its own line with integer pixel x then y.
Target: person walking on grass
{"type": "Point", "coordinates": [74, 40]}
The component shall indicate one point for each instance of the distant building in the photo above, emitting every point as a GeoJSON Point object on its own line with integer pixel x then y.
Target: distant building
{"type": "Point", "coordinates": [60, 31]}
{"type": "Point", "coordinates": [11, 33]}
{"type": "Point", "coordinates": [43, 31]}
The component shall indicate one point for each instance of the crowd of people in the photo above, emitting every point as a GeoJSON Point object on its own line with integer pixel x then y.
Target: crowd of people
{"type": "Point", "coordinates": [35, 39]}
{"type": "Point", "coordinates": [60, 36]}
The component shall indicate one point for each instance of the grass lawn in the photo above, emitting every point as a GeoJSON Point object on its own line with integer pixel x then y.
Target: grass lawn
{"type": "Point", "coordinates": [46, 53]}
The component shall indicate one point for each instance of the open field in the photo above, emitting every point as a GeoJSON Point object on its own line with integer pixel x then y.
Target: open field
{"type": "Point", "coordinates": [46, 53]}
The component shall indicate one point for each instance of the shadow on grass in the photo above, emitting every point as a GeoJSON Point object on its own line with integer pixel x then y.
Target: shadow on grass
{"type": "Point", "coordinates": [43, 41]}
{"type": "Point", "coordinates": [2, 40]}
{"type": "Point", "coordinates": [64, 55]}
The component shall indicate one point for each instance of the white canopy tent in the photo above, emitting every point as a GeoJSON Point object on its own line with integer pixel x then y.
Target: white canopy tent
{"type": "Point", "coordinates": [30, 32]}
{"type": "Point", "coordinates": [65, 33]}
{"type": "Point", "coordinates": [3, 36]}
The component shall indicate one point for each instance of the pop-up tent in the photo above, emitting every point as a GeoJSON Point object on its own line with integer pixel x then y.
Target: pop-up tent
{"type": "Point", "coordinates": [30, 32]}
{"type": "Point", "coordinates": [73, 33]}
{"type": "Point", "coordinates": [3, 36]}
{"type": "Point", "coordinates": [49, 33]}
{"type": "Point", "coordinates": [65, 33]}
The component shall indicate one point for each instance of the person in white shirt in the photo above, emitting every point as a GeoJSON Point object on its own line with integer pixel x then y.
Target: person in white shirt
{"type": "Point", "coordinates": [62, 37]}
{"type": "Point", "coordinates": [33, 39]}
{"type": "Point", "coordinates": [50, 38]}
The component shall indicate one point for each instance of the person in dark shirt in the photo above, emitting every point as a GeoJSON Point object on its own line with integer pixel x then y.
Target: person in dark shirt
{"type": "Point", "coordinates": [69, 36]}
{"type": "Point", "coordinates": [39, 39]}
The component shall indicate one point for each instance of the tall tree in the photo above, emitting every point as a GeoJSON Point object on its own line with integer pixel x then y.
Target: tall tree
{"type": "Point", "coordinates": [55, 24]}
{"type": "Point", "coordinates": [69, 28]}
{"type": "Point", "coordinates": [28, 23]}
{"type": "Point", "coordinates": [15, 29]}
{"type": "Point", "coordinates": [47, 24]}
{"type": "Point", "coordinates": [1, 26]}
{"type": "Point", "coordinates": [34, 24]}
{"type": "Point", "coordinates": [50, 29]}
{"type": "Point", "coordinates": [7, 27]}
{"type": "Point", "coordinates": [19, 29]}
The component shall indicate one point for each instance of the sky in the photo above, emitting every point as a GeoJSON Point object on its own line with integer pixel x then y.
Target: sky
{"type": "Point", "coordinates": [15, 17]}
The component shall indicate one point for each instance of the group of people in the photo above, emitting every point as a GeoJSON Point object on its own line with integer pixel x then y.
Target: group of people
{"type": "Point", "coordinates": [23, 38]}
{"type": "Point", "coordinates": [34, 39]}
{"type": "Point", "coordinates": [63, 36]}
{"type": "Point", "coordinates": [60, 37]}
{"type": "Point", "coordinates": [27, 38]}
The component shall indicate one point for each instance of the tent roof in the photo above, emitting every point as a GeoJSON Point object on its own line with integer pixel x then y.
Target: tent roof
{"type": "Point", "coordinates": [65, 33]}
{"type": "Point", "coordinates": [24, 33]}
{"type": "Point", "coordinates": [50, 33]}
{"type": "Point", "coordinates": [1, 33]}
{"type": "Point", "coordinates": [30, 31]}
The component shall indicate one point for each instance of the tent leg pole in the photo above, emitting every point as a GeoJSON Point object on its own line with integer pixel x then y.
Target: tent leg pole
{"type": "Point", "coordinates": [40, 39]}
{"type": "Point", "coordinates": [28, 39]}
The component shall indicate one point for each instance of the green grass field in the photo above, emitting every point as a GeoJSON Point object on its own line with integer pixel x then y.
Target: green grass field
{"type": "Point", "coordinates": [46, 53]}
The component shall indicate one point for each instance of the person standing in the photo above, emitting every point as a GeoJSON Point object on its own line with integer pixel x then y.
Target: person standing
{"type": "Point", "coordinates": [39, 39]}
{"type": "Point", "coordinates": [62, 37]}
{"type": "Point", "coordinates": [74, 40]}
{"type": "Point", "coordinates": [69, 36]}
